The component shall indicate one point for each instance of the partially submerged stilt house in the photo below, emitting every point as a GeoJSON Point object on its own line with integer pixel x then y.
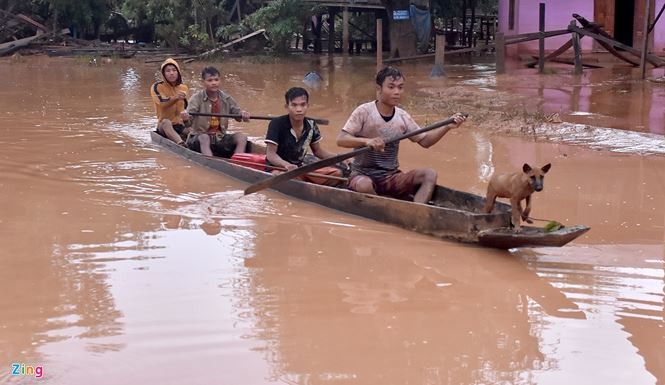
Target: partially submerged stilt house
{"type": "Point", "coordinates": [622, 19]}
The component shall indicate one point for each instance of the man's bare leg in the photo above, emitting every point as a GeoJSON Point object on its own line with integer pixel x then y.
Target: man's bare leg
{"type": "Point", "coordinates": [165, 127]}
{"type": "Point", "coordinates": [363, 184]}
{"type": "Point", "coordinates": [426, 178]}
{"type": "Point", "coordinates": [204, 143]}
{"type": "Point", "coordinates": [241, 142]}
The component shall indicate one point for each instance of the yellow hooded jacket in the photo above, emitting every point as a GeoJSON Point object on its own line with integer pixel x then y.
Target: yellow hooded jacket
{"type": "Point", "coordinates": [162, 92]}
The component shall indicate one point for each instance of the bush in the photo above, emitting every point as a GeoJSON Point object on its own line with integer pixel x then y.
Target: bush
{"type": "Point", "coordinates": [194, 39]}
{"type": "Point", "coordinates": [282, 19]}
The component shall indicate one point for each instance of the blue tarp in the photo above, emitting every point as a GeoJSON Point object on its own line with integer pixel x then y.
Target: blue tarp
{"type": "Point", "coordinates": [422, 23]}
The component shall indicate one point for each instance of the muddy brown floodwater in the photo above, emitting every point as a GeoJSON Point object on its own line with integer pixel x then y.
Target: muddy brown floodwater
{"type": "Point", "coordinates": [123, 264]}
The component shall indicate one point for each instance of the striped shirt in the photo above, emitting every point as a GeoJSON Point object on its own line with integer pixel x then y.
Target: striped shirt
{"type": "Point", "coordinates": [366, 121]}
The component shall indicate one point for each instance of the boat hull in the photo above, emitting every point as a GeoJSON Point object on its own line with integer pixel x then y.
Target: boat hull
{"type": "Point", "coordinates": [453, 215]}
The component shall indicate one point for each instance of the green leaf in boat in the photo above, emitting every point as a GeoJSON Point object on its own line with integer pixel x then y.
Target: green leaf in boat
{"type": "Point", "coordinates": [552, 226]}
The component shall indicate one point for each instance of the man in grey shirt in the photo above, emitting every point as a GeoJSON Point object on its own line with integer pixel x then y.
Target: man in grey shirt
{"type": "Point", "coordinates": [374, 123]}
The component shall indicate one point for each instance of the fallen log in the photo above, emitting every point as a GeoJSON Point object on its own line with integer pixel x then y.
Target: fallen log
{"type": "Point", "coordinates": [232, 42]}
{"type": "Point", "coordinates": [33, 23]}
{"type": "Point", "coordinates": [10, 47]}
{"type": "Point", "coordinates": [653, 59]}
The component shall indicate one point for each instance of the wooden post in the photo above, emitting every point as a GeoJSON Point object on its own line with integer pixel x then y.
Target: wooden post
{"type": "Point", "coordinates": [440, 48]}
{"type": "Point", "coordinates": [577, 51]}
{"type": "Point", "coordinates": [500, 44]}
{"type": "Point", "coordinates": [541, 40]}
{"type": "Point", "coordinates": [379, 44]}
{"type": "Point", "coordinates": [645, 44]}
{"type": "Point", "coordinates": [464, 32]}
{"type": "Point", "coordinates": [345, 30]}
{"type": "Point", "coordinates": [331, 30]}
{"type": "Point", "coordinates": [317, 34]}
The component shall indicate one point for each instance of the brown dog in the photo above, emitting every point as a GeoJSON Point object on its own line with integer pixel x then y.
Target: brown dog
{"type": "Point", "coordinates": [516, 186]}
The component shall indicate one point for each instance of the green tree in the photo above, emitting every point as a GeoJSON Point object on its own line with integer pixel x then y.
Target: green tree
{"type": "Point", "coordinates": [83, 17]}
{"type": "Point", "coordinates": [163, 20]}
{"type": "Point", "coordinates": [188, 23]}
{"type": "Point", "coordinates": [205, 12]}
{"type": "Point", "coordinates": [142, 24]}
{"type": "Point", "coordinates": [282, 19]}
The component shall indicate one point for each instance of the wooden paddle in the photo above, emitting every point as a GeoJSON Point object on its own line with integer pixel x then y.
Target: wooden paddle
{"type": "Point", "coordinates": [280, 168]}
{"type": "Point", "coordinates": [335, 159]}
{"type": "Point", "coordinates": [238, 116]}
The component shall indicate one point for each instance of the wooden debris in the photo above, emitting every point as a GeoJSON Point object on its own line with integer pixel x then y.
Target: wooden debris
{"type": "Point", "coordinates": [553, 118]}
{"type": "Point", "coordinates": [604, 39]}
{"type": "Point", "coordinates": [174, 57]}
{"type": "Point", "coordinates": [233, 42]}
{"type": "Point", "coordinates": [10, 47]}
{"type": "Point", "coordinates": [33, 23]}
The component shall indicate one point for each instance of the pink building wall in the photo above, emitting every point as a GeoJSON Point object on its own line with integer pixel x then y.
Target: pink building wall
{"type": "Point", "coordinates": [558, 14]}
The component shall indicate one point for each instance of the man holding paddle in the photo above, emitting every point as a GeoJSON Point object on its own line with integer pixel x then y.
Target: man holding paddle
{"type": "Point", "coordinates": [209, 135]}
{"type": "Point", "coordinates": [292, 137]}
{"type": "Point", "coordinates": [373, 125]}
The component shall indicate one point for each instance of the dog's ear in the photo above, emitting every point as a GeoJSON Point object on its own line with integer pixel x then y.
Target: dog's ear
{"type": "Point", "coordinates": [526, 168]}
{"type": "Point", "coordinates": [546, 168]}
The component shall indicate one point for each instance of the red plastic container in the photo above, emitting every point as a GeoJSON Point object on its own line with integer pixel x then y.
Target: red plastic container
{"type": "Point", "coordinates": [257, 161]}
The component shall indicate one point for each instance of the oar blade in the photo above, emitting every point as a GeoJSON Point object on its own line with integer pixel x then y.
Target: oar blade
{"type": "Point", "coordinates": [264, 184]}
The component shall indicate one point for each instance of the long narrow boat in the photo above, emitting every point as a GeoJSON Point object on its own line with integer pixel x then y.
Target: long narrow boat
{"type": "Point", "coordinates": [453, 215]}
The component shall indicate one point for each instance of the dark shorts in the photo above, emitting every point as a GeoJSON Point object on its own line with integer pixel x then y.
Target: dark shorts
{"type": "Point", "coordinates": [180, 129]}
{"type": "Point", "coordinates": [222, 145]}
{"type": "Point", "coordinates": [400, 185]}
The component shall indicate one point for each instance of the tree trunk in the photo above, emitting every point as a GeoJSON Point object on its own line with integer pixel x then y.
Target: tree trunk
{"type": "Point", "coordinates": [472, 43]}
{"type": "Point", "coordinates": [403, 39]}
{"type": "Point", "coordinates": [464, 31]}
{"type": "Point", "coordinates": [55, 20]}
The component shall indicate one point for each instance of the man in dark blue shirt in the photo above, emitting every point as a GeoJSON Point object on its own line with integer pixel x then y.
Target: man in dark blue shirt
{"type": "Point", "coordinates": [293, 139]}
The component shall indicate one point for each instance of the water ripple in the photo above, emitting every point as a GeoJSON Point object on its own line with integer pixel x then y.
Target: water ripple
{"type": "Point", "coordinates": [602, 138]}
{"type": "Point", "coordinates": [130, 79]}
{"type": "Point", "coordinates": [633, 291]}
{"type": "Point", "coordinates": [138, 186]}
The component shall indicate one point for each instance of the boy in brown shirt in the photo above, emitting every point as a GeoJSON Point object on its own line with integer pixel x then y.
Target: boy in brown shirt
{"type": "Point", "coordinates": [209, 135]}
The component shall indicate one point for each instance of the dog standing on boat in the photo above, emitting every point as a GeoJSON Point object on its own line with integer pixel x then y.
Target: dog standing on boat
{"type": "Point", "coordinates": [516, 186]}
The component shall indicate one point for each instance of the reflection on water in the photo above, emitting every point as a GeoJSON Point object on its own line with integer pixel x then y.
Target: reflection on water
{"type": "Point", "coordinates": [373, 314]}
{"type": "Point", "coordinates": [122, 263]}
{"type": "Point", "coordinates": [129, 79]}
{"type": "Point", "coordinates": [626, 289]}
{"type": "Point", "coordinates": [613, 97]}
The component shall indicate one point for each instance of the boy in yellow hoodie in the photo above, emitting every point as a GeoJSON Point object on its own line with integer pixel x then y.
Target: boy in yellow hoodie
{"type": "Point", "coordinates": [170, 98]}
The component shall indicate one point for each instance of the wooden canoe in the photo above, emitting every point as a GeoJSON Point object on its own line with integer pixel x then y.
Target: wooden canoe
{"type": "Point", "coordinates": [453, 215]}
